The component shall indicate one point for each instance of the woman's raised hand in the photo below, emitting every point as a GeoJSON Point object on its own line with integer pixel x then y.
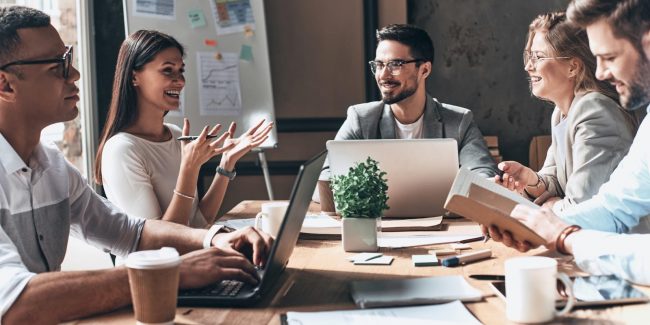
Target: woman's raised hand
{"type": "Point", "coordinates": [252, 138]}
{"type": "Point", "coordinates": [515, 176]}
{"type": "Point", "coordinates": [200, 150]}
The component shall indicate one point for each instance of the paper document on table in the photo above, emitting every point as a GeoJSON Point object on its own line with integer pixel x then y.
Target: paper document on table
{"type": "Point", "coordinates": [449, 313]}
{"type": "Point", "coordinates": [456, 232]}
{"type": "Point", "coordinates": [314, 223]}
{"type": "Point", "coordinates": [238, 223]}
{"type": "Point", "coordinates": [419, 291]}
{"type": "Point", "coordinates": [321, 224]}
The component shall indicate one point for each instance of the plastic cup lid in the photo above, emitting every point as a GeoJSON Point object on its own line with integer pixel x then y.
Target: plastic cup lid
{"type": "Point", "coordinates": [153, 259]}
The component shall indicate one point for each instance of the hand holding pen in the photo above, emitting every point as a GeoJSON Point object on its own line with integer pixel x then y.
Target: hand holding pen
{"type": "Point", "coordinates": [199, 150]}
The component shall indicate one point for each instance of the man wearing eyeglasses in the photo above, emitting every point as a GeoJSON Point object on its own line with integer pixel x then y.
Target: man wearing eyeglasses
{"type": "Point", "coordinates": [403, 61]}
{"type": "Point", "coordinates": [43, 198]}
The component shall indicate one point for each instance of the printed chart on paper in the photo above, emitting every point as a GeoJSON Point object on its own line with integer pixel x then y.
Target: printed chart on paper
{"type": "Point", "coordinates": [219, 89]}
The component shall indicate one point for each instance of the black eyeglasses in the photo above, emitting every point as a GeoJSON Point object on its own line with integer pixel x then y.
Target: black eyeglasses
{"type": "Point", "coordinates": [65, 61]}
{"type": "Point", "coordinates": [394, 66]}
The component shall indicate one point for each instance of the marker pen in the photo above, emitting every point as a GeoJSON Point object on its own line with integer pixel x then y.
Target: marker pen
{"type": "Point", "coordinates": [468, 257]}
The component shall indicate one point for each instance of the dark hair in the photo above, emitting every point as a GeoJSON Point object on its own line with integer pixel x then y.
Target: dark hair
{"type": "Point", "coordinates": [137, 50]}
{"type": "Point", "coordinates": [11, 20]}
{"type": "Point", "coordinates": [569, 40]}
{"type": "Point", "coordinates": [415, 38]}
{"type": "Point", "coordinates": [630, 19]}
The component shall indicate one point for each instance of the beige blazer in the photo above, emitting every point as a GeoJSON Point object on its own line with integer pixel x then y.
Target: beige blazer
{"type": "Point", "coordinates": [599, 134]}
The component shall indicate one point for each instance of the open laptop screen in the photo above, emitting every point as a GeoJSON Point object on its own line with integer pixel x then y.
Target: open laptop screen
{"type": "Point", "coordinates": [419, 171]}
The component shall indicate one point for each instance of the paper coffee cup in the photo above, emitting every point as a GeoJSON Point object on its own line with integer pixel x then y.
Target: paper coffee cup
{"type": "Point", "coordinates": [153, 279]}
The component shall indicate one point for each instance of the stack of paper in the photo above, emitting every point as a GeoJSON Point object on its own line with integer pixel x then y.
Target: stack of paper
{"type": "Point", "coordinates": [449, 313]}
{"type": "Point", "coordinates": [320, 224]}
{"type": "Point", "coordinates": [378, 293]}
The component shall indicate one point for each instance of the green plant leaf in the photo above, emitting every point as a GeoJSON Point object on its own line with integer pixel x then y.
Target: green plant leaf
{"type": "Point", "coordinates": [362, 192]}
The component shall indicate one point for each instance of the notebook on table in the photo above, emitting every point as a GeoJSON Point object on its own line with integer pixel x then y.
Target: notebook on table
{"type": "Point", "coordinates": [419, 171]}
{"type": "Point", "coordinates": [235, 293]}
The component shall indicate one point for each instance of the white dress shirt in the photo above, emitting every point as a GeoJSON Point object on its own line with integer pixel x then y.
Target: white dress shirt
{"type": "Point", "coordinates": [41, 203]}
{"type": "Point", "coordinates": [624, 255]}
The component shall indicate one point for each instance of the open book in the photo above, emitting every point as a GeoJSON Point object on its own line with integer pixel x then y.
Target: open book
{"type": "Point", "coordinates": [477, 198]}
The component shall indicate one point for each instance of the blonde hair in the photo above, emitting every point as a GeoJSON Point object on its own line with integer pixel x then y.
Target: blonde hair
{"type": "Point", "coordinates": [569, 40]}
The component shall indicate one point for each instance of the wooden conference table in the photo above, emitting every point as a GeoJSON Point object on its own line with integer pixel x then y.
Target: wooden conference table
{"type": "Point", "coordinates": [317, 278]}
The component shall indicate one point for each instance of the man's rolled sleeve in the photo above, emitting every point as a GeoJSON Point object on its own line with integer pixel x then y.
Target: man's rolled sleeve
{"type": "Point", "coordinates": [14, 276]}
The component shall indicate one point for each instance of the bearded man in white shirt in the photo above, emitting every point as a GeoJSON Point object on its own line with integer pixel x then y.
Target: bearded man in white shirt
{"type": "Point", "coordinates": [43, 198]}
{"type": "Point", "coordinates": [619, 37]}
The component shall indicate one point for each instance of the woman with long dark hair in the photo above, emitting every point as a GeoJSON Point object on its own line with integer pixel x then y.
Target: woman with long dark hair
{"type": "Point", "coordinates": [142, 166]}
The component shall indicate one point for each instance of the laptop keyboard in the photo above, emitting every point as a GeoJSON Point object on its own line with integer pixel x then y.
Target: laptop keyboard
{"type": "Point", "coordinates": [224, 288]}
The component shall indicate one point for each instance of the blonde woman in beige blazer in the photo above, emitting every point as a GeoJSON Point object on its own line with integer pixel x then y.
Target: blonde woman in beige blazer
{"type": "Point", "coordinates": [591, 133]}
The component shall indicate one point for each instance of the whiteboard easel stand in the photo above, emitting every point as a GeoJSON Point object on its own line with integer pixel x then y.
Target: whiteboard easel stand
{"type": "Point", "coordinates": [265, 171]}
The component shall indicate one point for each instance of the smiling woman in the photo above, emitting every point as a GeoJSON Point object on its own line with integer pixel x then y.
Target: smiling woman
{"type": "Point", "coordinates": [144, 168]}
{"type": "Point", "coordinates": [591, 133]}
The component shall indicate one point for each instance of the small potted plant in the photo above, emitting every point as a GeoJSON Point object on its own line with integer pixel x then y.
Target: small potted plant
{"type": "Point", "coordinates": [360, 198]}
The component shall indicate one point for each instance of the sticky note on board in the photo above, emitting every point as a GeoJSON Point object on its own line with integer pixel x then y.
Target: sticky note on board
{"type": "Point", "coordinates": [246, 53]}
{"type": "Point", "coordinates": [248, 31]}
{"type": "Point", "coordinates": [210, 42]}
{"type": "Point", "coordinates": [196, 17]}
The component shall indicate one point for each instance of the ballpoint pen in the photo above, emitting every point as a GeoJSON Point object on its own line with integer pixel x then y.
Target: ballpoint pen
{"type": "Point", "coordinates": [194, 137]}
{"type": "Point", "coordinates": [486, 237]}
{"type": "Point", "coordinates": [488, 277]}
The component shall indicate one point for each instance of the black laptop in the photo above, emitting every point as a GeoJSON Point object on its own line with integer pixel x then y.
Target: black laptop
{"type": "Point", "coordinates": [236, 293]}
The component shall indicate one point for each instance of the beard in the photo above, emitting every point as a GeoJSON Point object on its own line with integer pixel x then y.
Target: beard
{"type": "Point", "coordinates": [389, 99]}
{"type": "Point", "coordinates": [639, 87]}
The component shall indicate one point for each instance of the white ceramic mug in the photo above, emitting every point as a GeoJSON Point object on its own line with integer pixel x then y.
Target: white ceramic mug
{"type": "Point", "coordinates": [271, 216]}
{"type": "Point", "coordinates": [531, 289]}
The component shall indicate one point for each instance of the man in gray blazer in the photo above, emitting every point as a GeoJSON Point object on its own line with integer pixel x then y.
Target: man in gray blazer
{"type": "Point", "coordinates": [402, 64]}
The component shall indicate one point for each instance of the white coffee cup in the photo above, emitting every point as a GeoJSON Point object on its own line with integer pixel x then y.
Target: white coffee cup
{"type": "Point", "coordinates": [531, 289]}
{"type": "Point", "coordinates": [271, 217]}
{"type": "Point", "coordinates": [153, 279]}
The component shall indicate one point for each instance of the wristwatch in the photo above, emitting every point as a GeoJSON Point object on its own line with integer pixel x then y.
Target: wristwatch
{"type": "Point", "coordinates": [230, 174]}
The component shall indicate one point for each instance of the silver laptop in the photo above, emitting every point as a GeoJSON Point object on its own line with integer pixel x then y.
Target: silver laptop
{"type": "Point", "coordinates": [419, 172]}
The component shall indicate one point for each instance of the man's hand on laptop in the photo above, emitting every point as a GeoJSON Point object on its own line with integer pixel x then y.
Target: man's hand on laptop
{"type": "Point", "coordinates": [213, 265]}
{"type": "Point", "coordinates": [250, 242]}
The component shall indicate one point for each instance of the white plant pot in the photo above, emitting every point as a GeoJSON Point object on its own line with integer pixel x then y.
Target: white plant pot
{"type": "Point", "coordinates": [360, 234]}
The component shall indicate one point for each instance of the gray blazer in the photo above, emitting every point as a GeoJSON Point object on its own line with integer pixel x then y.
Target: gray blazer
{"type": "Point", "coordinates": [375, 120]}
{"type": "Point", "coordinates": [599, 134]}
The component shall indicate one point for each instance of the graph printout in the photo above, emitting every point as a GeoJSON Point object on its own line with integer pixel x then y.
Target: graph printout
{"type": "Point", "coordinates": [219, 89]}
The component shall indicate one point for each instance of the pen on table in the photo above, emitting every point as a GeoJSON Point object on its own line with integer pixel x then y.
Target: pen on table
{"type": "Point", "coordinates": [468, 257]}
{"type": "Point", "coordinates": [194, 137]}
{"type": "Point", "coordinates": [488, 277]}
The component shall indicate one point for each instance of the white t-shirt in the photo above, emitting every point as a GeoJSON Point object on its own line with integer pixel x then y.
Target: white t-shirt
{"type": "Point", "coordinates": [139, 176]}
{"type": "Point", "coordinates": [409, 131]}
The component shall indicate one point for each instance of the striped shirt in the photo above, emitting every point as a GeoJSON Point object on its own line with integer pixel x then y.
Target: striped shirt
{"type": "Point", "coordinates": [41, 204]}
